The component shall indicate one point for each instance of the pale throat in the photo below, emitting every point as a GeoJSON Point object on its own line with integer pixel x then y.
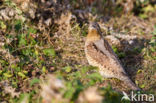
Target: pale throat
{"type": "Point", "coordinates": [93, 35]}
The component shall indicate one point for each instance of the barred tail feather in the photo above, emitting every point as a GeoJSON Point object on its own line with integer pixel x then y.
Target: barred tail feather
{"type": "Point", "coordinates": [129, 83]}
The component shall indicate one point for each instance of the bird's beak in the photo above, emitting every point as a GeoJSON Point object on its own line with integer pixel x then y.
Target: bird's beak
{"type": "Point", "coordinates": [91, 26]}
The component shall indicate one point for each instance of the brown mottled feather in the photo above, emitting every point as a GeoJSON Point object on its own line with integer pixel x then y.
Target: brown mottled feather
{"type": "Point", "coordinates": [99, 53]}
{"type": "Point", "coordinates": [103, 61]}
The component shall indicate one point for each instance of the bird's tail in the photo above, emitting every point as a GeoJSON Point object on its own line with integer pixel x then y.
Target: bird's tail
{"type": "Point", "coordinates": [129, 83]}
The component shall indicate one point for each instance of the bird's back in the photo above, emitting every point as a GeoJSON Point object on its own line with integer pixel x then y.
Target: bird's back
{"type": "Point", "coordinates": [100, 54]}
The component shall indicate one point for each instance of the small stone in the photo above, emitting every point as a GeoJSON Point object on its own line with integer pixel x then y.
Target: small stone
{"type": "Point", "coordinates": [52, 68]}
{"type": "Point", "coordinates": [11, 13]}
{"type": "Point", "coordinates": [131, 42]}
{"type": "Point", "coordinates": [48, 21]}
{"type": "Point", "coordinates": [32, 13]}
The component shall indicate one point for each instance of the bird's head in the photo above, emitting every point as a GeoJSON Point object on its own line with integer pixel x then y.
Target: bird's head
{"type": "Point", "coordinates": [94, 32]}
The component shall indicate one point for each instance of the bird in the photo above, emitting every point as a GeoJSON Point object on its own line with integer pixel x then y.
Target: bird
{"type": "Point", "coordinates": [100, 54]}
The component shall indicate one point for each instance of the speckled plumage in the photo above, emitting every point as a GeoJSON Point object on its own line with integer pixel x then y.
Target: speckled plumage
{"type": "Point", "coordinates": [99, 53]}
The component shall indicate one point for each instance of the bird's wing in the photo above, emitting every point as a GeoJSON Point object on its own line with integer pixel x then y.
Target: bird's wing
{"type": "Point", "coordinates": [112, 60]}
{"type": "Point", "coordinates": [100, 54]}
{"type": "Point", "coordinates": [105, 48]}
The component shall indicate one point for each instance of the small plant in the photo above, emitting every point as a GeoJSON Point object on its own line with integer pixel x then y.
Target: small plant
{"type": "Point", "coordinates": [120, 54]}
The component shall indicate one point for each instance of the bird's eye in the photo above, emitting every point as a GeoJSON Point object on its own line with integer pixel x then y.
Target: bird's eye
{"type": "Point", "coordinates": [94, 26]}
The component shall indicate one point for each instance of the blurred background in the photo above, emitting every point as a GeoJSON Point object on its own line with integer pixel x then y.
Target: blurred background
{"type": "Point", "coordinates": [42, 56]}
